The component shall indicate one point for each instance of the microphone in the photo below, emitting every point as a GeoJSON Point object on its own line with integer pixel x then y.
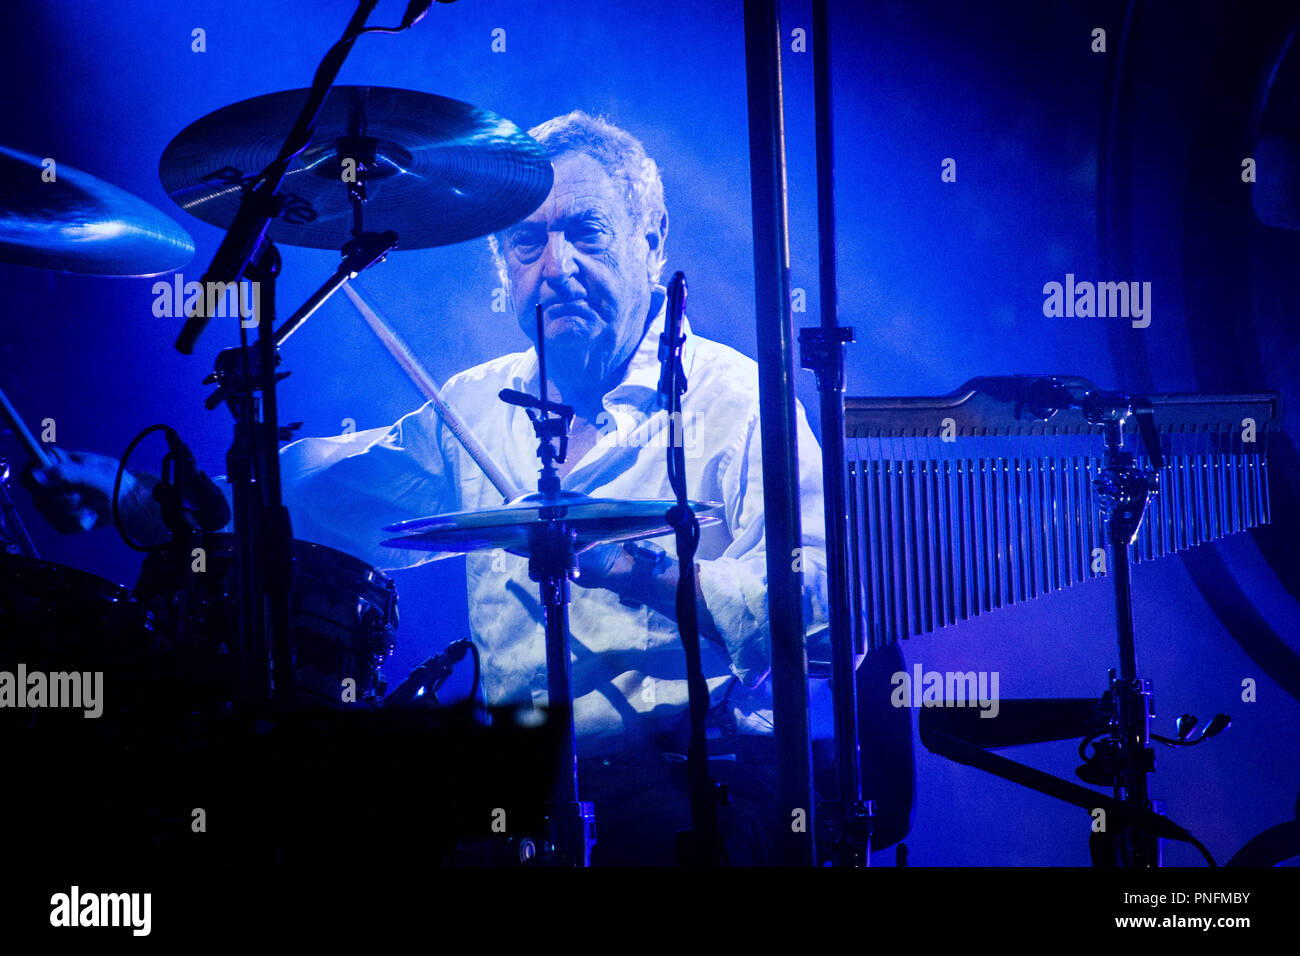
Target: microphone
{"type": "Point", "coordinates": [514, 397]}
{"type": "Point", "coordinates": [189, 499]}
{"type": "Point", "coordinates": [429, 676]}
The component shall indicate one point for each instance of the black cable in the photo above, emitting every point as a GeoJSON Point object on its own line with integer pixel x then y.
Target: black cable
{"type": "Point", "coordinates": [1204, 852]}
{"type": "Point", "coordinates": [706, 848]}
{"type": "Point", "coordinates": [117, 489]}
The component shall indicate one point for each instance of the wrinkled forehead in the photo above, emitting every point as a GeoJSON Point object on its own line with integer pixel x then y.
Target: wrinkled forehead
{"type": "Point", "coordinates": [582, 189]}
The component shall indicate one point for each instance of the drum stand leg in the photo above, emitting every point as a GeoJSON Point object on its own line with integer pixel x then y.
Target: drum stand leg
{"type": "Point", "coordinates": [552, 562]}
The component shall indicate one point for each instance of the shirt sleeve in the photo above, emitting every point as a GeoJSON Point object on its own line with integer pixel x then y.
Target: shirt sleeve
{"type": "Point", "coordinates": [734, 584]}
{"type": "Point", "coordinates": [343, 491]}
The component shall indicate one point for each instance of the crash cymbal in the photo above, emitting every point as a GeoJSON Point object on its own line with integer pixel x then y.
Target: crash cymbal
{"type": "Point", "coordinates": [596, 521]}
{"type": "Point", "coordinates": [76, 222]}
{"type": "Point", "coordinates": [436, 170]}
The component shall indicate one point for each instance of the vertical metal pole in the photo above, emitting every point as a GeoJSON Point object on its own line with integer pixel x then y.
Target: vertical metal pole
{"type": "Point", "coordinates": [795, 822]}
{"type": "Point", "coordinates": [827, 359]}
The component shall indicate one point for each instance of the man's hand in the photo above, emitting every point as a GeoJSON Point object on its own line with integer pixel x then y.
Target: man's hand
{"type": "Point", "coordinates": [603, 566]}
{"type": "Point", "coordinates": [610, 566]}
{"type": "Point", "coordinates": [75, 493]}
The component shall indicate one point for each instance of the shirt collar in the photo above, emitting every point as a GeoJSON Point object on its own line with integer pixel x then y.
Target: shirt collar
{"type": "Point", "coordinates": [642, 375]}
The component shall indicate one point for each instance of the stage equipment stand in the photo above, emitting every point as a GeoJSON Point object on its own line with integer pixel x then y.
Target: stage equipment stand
{"type": "Point", "coordinates": [553, 563]}
{"type": "Point", "coordinates": [795, 818]}
{"type": "Point", "coordinates": [845, 831]}
{"type": "Point", "coordinates": [247, 377]}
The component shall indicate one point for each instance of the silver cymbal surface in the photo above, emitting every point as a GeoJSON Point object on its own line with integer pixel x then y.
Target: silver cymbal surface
{"type": "Point", "coordinates": [76, 222]}
{"type": "Point", "coordinates": [594, 520]}
{"type": "Point", "coordinates": [436, 171]}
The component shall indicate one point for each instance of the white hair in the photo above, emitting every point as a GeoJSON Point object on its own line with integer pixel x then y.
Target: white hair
{"type": "Point", "coordinates": [623, 158]}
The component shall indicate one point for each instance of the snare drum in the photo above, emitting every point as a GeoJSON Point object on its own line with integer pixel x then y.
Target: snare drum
{"type": "Point", "coordinates": [344, 615]}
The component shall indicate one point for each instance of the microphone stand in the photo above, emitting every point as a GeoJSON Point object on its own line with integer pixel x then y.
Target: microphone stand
{"type": "Point", "coordinates": [699, 846]}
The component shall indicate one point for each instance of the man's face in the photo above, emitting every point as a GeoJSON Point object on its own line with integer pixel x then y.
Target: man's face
{"type": "Point", "coordinates": [581, 256]}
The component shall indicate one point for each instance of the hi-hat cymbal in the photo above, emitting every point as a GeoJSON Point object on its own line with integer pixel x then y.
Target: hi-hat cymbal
{"type": "Point", "coordinates": [71, 221]}
{"type": "Point", "coordinates": [595, 521]}
{"type": "Point", "coordinates": [436, 170]}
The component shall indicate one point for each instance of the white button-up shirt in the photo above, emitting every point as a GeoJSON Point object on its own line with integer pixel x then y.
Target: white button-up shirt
{"type": "Point", "coordinates": [629, 681]}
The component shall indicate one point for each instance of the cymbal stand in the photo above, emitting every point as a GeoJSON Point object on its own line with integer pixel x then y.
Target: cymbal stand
{"type": "Point", "coordinates": [247, 376]}
{"type": "Point", "coordinates": [1123, 491]}
{"type": "Point", "coordinates": [238, 378]}
{"type": "Point", "coordinates": [553, 563]}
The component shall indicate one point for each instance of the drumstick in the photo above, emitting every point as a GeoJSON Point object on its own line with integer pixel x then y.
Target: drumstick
{"type": "Point", "coordinates": [19, 428]}
{"type": "Point", "coordinates": [424, 382]}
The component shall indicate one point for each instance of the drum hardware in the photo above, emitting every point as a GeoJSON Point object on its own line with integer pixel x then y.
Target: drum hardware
{"type": "Point", "coordinates": [962, 736]}
{"type": "Point", "coordinates": [552, 562]}
{"type": "Point", "coordinates": [1001, 521]}
{"type": "Point", "coordinates": [262, 527]}
{"type": "Point", "coordinates": [550, 530]}
{"type": "Point", "coordinates": [1123, 490]}
{"type": "Point", "coordinates": [550, 527]}
{"type": "Point", "coordinates": [59, 617]}
{"type": "Point", "coordinates": [426, 166]}
{"type": "Point", "coordinates": [441, 170]}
